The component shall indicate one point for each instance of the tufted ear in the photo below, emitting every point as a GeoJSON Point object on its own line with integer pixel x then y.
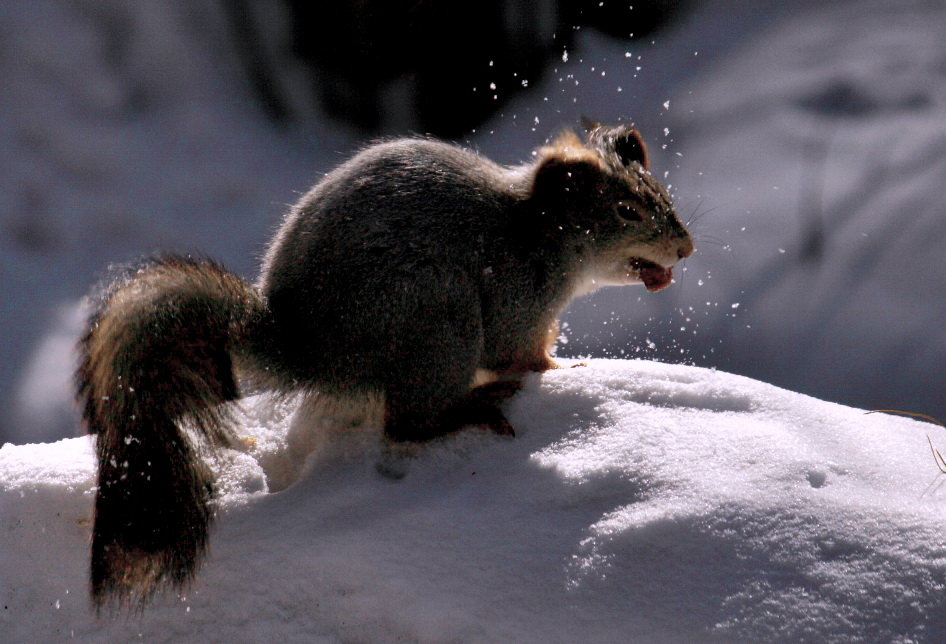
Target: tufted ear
{"type": "Point", "coordinates": [560, 179]}
{"type": "Point", "coordinates": [630, 147]}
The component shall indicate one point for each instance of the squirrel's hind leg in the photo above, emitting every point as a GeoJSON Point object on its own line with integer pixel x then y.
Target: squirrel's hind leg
{"type": "Point", "coordinates": [481, 407]}
{"type": "Point", "coordinates": [478, 407]}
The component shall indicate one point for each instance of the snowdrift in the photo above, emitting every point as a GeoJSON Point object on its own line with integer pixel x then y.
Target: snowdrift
{"type": "Point", "coordinates": [639, 501]}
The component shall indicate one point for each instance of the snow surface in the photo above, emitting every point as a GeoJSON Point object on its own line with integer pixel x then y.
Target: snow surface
{"type": "Point", "coordinates": [639, 501]}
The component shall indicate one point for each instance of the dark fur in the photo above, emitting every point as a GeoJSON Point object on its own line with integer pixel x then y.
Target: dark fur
{"type": "Point", "coordinates": [157, 353]}
{"type": "Point", "coordinates": [403, 272]}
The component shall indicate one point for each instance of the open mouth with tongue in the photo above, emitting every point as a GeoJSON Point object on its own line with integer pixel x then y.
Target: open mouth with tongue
{"type": "Point", "coordinates": [653, 275]}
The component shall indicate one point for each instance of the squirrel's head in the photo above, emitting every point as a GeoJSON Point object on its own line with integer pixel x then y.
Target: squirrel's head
{"type": "Point", "coordinates": [599, 191]}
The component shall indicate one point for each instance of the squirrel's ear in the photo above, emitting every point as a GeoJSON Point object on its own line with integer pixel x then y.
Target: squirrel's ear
{"type": "Point", "coordinates": [630, 147]}
{"type": "Point", "coordinates": [557, 177]}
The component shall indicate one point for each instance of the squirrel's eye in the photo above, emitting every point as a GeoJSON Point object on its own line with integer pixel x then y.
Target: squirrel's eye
{"type": "Point", "coordinates": [628, 211]}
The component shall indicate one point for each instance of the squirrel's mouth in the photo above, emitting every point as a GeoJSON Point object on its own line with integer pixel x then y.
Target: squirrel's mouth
{"type": "Point", "coordinates": [653, 275]}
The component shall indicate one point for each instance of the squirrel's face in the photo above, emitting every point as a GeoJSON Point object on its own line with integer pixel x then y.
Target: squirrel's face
{"type": "Point", "coordinates": [635, 234]}
{"type": "Point", "coordinates": [623, 222]}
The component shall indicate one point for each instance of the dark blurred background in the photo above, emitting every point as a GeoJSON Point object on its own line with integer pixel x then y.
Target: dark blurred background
{"type": "Point", "coordinates": [804, 141]}
{"type": "Point", "coordinates": [423, 65]}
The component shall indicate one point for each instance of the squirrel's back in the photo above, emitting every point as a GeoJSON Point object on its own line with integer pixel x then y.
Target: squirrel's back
{"type": "Point", "coordinates": [402, 201]}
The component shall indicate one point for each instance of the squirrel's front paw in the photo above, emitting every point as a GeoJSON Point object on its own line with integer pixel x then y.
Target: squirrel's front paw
{"type": "Point", "coordinates": [556, 365]}
{"type": "Point", "coordinates": [500, 426]}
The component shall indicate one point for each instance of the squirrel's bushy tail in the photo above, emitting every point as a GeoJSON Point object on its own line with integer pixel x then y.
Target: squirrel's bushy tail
{"type": "Point", "coordinates": [156, 364]}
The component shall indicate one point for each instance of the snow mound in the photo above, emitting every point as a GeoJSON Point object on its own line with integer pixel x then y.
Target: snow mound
{"type": "Point", "coordinates": [639, 502]}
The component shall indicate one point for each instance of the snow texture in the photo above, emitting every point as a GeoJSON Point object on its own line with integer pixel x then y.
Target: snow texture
{"type": "Point", "coordinates": [639, 501]}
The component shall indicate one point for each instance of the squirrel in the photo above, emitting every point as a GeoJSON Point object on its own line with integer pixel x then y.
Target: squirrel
{"type": "Point", "coordinates": [404, 275]}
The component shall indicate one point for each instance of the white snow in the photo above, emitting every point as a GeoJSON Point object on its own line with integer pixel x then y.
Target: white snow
{"type": "Point", "coordinates": [639, 501]}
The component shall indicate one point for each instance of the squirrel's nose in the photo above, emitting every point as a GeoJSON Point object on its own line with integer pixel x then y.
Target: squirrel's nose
{"type": "Point", "coordinates": [686, 248]}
